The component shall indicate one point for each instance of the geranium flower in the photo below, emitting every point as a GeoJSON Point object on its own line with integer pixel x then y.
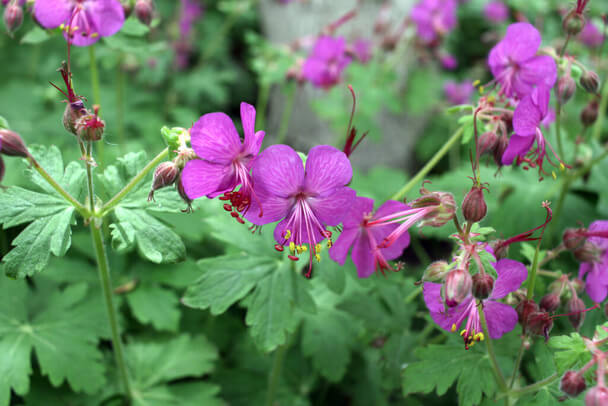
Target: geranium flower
{"type": "Point", "coordinates": [496, 11]}
{"type": "Point", "coordinates": [591, 36]}
{"type": "Point", "coordinates": [224, 161]}
{"type": "Point", "coordinates": [458, 93]}
{"type": "Point", "coordinates": [514, 63]}
{"type": "Point", "coordinates": [363, 232]}
{"type": "Point", "coordinates": [305, 200]}
{"type": "Point", "coordinates": [324, 66]}
{"type": "Point", "coordinates": [595, 273]}
{"type": "Point", "coordinates": [500, 317]}
{"type": "Point", "coordinates": [434, 18]}
{"type": "Point", "coordinates": [84, 21]}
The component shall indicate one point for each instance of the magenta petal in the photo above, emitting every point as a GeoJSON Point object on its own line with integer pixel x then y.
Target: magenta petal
{"type": "Point", "coordinates": [584, 269]}
{"type": "Point", "coordinates": [396, 248]}
{"type": "Point", "coordinates": [518, 145]}
{"type": "Point", "coordinates": [278, 171]}
{"type": "Point", "coordinates": [331, 208]}
{"type": "Point", "coordinates": [521, 41]}
{"type": "Point", "coordinates": [327, 48]}
{"type": "Point", "coordinates": [339, 250]}
{"type": "Point", "coordinates": [526, 117]}
{"type": "Point", "coordinates": [390, 207]}
{"type": "Point", "coordinates": [108, 15]}
{"type": "Point", "coordinates": [253, 140]}
{"type": "Point", "coordinates": [359, 207]}
{"type": "Point", "coordinates": [596, 284]}
{"type": "Point", "coordinates": [445, 318]}
{"type": "Point", "coordinates": [281, 228]}
{"type": "Point", "coordinates": [432, 297]}
{"type": "Point", "coordinates": [600, 225]}
{"type": "Point", "coordinates": [52, 13]}
{"type": "Point", "coordinates": [274, 208]}
{"type": "Point", "coordinates": [214, 138]}
{"type": "Point", "coordinates": [539, 70]}
{"type": "Point", "coordinates": [201, 178]}
{"type": "Point", "coordinates": [363, 256]}
{"type": "Point", "coordinates": [511, 274]}
{"type": "Point", "coordinates": [327, 168]}
{"type": "Point", "coordinates": [501, 318]}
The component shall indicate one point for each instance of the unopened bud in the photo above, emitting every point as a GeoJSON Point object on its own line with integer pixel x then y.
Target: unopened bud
{"type": "Point", "coordinates": [588, 252]}
{"type": "Point", "coordinates": [573, 238]}
{"type": "Point", "coordinates": [578, 285]}
{"type": "Point", "coordinates": [540, 323]}
{"type": "Point", "coordinates": [566, 86]}
{"type": "Point", "coordinates": [501, 250]}
{"type": "Point", "coordinates": [71, 114]}
{"type": "Point", "coordinates": [590, 113]}
{"type": "Point", "coordinates": [435, 272]}
{"type": "Point", "coordinates": [576, 312]}
{"type": "Point", "coordinates": [590, 81]}
{"type": "Point", "coordinates": [144, 11]}
{"type": "Point", "coordinates": [499, 150]}
{"type": "Point", "coordinates": [11, 144]}
{"type": "Point", "coordinates": [182, 193]}
{"type": "Point", "coordinates": [458, 284]}
{"type": "Point", "coordinates": [90, 127]}
{"type": "Point", "coordinates": [165, 174]}
{"type": "Point", "coordinates": [550, 302]}
{"type": "Point", "coordinates": [487, 142]}
{"type": "Point", "coordinates": [524, 309]}
{"type": "Point", "coordinates": [444, 207]}
{"type": "Point", "coordinates": [572, 383]}
{"type": "Point", "coordinates": [474, 207]}
{"type": "Point", "coordinates": [482, 285]}
{"type": "Point", "coordinates": [597, 396]}
{"type": "Point", "coordinates": [13, 17]}
{"type": "Point", "coordinates": [573, 23]}
{"type": "Point", "coordinates": [127, 7]}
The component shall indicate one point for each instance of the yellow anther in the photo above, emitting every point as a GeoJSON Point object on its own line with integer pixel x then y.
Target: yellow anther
{"type": "Point", "coordinates": [479, 337]}
{"type": "Point", "coordinates": [553, 175]}
{"type": "Point", "coordinates": [304, 247]}
{"type": "Point", "coordinates": [94, 35]}
{"type": "Point", "coordinates": [491, 99]}
{"type": "Point", "coordinates": [299, 249]}
{"type": "Point", "coordinates": [562, 167]}
{"type": "Point", "coordinates": [318, 257]}
{"type": "Point", "coordinates": [477, 82]}
{"type": "Point", "coordinates": [481, 89]}
{"type": "Point", "coordinates": [463, 333]}
{"type": "Point", "coordinates": [292, 247]}
{"type": "Point", "coordinates": [287, 234]}
{"type": "Point", "coordinates": [329, 243]}
{"type": "Point", "coordinates": [61, 27]}
{"type": "Point", "coordinates": [318, 247]}
{"type": "Point", "coordinates": [454, 328]}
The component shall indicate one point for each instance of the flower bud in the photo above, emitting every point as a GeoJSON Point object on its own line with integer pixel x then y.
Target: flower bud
{"type": "Point", "coordinates": [576, 310]}
{"type": "Point", "coordinates": [590, 81]}
{"type": "Point", "coordinates": [524, 309]}
{"type": "Point", "coordinates": [71, 114]}
{"type": "Point", "coordinates": [573, 23]}
{"type": "Point", "coordinates": [90, 127]}
{"type": "Point", "coordinates": [482, 285]}
{"type": "Point", "coordinates": [445, 207]}
{"type": "Point", "coordinates": [499, 150]}
{"type": "Point", "coordinates": [13, 17]}
{"type": "Point", "coordinates": [165, 174]}
{"type": "Point", "coordinates": [435, 272]}
{"type": "Point", "coordinates": [144, 11]}
{"type": "Point", "coordinates": [11, 144]}
{"type": "Point", "coordinates": [182, 193]}
{"type": "Point", "coordinates": [550, 302]}
{"type": "Point", "coordinates": [590, 113]}
{"type": "Point", "coordinates": [540, 323]}
{"type": "Point", "coordinates": [501, 250]}
{"type": "Point", "coordinates": [474, 207]}
{"type": "Point", "coordinates": [573, 238]}
{"type": "Point", "coordinates": [487, 142]}
{"type": "Point", "coordinates": [597, 396]}
{"type": "Point", "coordinates": [566, 86]}
{"type": "Point", "coordinates": [572, 383]}
{"type": "Point", "coordinates": [457, 287]}
{"type": "Point", "coordinates": [578, 285]}
{"type": "Point", "coordinates": [588, 252]}
{"type": "Point", "coordinates": [127, 7]}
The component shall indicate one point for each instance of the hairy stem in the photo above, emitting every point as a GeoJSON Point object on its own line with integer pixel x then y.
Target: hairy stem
{"type": "Point", "coordinates": [532, 276]}
{"type": "Point", "coordinates": [429, 165]}
{"type": "Point", "coordinates": [129, 186]}
{"type": "Point", "coordinates": [500, 379]}
{"type": "Point", "coordinates": [599, 124]}
{"type": "Point", "coordinates": [106, 286]}
{"type": "Point", "coordinates": [275, 373]}
{"type": "Point", "coordinates": [95, 86]}
{"type": "Point", "coordinates": [84, 212]}
{"type": "Point", "coordinates": [535, 386]}
{"type": "Point", "coordinates": [91, 187]}
{"type": "Point", "coordinates": [520, 356]}
{"type": "Point", "coordinates": [120, 103]}
{"type": "Point", "coordinates": [288, 108]}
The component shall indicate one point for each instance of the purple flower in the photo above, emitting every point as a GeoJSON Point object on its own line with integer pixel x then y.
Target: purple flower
{"type": "Point", "coordinates": [501, 318]}
{"type": "Point", "coordinates": [458, 93]}
{"type": "Point", "coordinates": [514, 63]}
{"type": "Point", "coordinates": [306, 200]}
{"type": "Point", "coordinates": [595, 273]}
{"type": "Point", "coordinates": [496, 11]}
{"type": "Point", "coordinates": [324, 66]}
{"type": "Point", "coordinates": [363, 235]}
{"type": "Point", "coordinates": [527, 118]}
{"type": "Point", "coordinates": [362, 50]}
{"type": "Point", "coordinates": [448, 61]}
{"type": "Point", "coordinates": [434, 18]}
{"type": "Point", "coordinates": [85, 20]}
{"type": "Point", "coordinates": [191, 11]}
{"type": "Point", "coordinates": [224, 161]}
{"type": "Point", "coordinates": [591, 35]}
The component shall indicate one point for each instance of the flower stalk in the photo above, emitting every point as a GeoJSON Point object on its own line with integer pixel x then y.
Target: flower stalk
{"type": "Point", "coordinates": [500, 379]}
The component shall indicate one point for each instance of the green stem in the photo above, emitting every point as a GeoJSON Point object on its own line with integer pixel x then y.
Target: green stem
{"type": "Point", "coordinates": [500, 379]}
{"type": "Point", "coordinates": [91, 187]}
{"type": "Point", "coordinates": [77, 205]}
{"type": "Point", "coordinates": [129, 186]}
{"type": "Point", "coordinates": [120, 103]}
{"type": "Point", "coordinates": [429, 165]}
{"type": "Point", "coordinates": [532, 276]}
{"type": "Point", "coordinates": [275, 373]}
{"type": "Point", "coordinates": [520, 356]}
{"type": "Point", "coordinates": [599, 124]}
{"type": "Point", "coordinates": [260, 110]}
{"type": "Point", "coordinates": [410, 298]}
{"type": "Point", "coordinates": [106, 286]}
{"type": "Point", "coordinates": [535, 386]}
{"type": "Point", "coordinates": [95, 86]}
{"type": "Point", "coordinates": [288, 108]}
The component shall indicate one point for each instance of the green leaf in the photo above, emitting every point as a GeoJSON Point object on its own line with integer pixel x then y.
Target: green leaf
{"type": "Point", "coordinates": [18, 206]}
{"type": "Point", "coordinates": [4, 123]}
{"type": "Point", "coordinates": [63, 331]}
{"type": "Point", "coordinates": [133, 27]}
{"type": "Point", "coordinates": [155, 241]}
{"type": "Point", "coordinates": [156, 305]}
{"type": "Point", "coordinates": [72, 178]}
{"type": "Point", "coordinates": [442, 365]}
{"type": "Point", "coordinates": [571, 351]}
{"type": "Point", "coordinates": [37, 241]}
{"type": "Point", "coordinates": [35, 36]}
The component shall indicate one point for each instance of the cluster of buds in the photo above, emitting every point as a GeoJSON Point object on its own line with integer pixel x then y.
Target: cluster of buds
{"type": "Point", "coordinates": [442, 205]}
{"type": "Point", "coordinates": [13, 15]}
{"type": "Point", "coordinates": [533, 319]}
{"type": "Point", "coordinates": [576, 241]}
{"type": "Point", "coordinates": [11, 144]}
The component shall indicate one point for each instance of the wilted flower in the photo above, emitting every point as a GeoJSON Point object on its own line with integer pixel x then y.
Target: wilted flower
{"type": "Point", "coordinates": [496, 11]}
{"type": "Point", "coordinates": [595, 273]}
{"type": "Point", "coordinates": [305, 200]}
{"type": "Point", "coordinates": [225, 161]}
{"type": "Point", "coordinates": [458, 93]}
{"type": "Point", "coordinates": [434, 18]}
{"type": "Point", "coordinates": [363, 230]}
{"type": "Point", "coordinates": [514, 63]}
{"type": "Point", "coordinates": [324, 66]}
{"type": "Point", "coordinates": [500, 317]}
{"type": "Point", "coordinates": [83, 21]}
